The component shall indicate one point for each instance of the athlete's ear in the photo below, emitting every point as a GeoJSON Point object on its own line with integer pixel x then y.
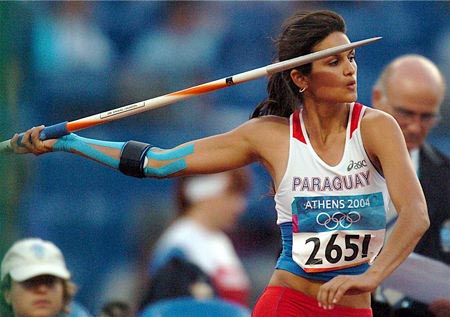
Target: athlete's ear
{"type": "Point", "coordinates": [299, 79]}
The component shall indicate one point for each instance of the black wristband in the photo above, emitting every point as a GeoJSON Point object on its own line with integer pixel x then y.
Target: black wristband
{"type": "Point", "coordinates": [132, 158]}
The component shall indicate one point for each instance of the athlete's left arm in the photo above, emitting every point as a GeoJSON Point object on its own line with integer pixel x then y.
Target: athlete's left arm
{"type": "Point", "coordinates": [385, 145]}
{"type": "Point", "coordinates": [384, 142]}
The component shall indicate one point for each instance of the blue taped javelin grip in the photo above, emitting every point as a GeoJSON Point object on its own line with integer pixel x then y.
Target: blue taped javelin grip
{"type": "Point", "coordinates": [54, 131]}
{"type": "Point", "coordinates": [51, 132]}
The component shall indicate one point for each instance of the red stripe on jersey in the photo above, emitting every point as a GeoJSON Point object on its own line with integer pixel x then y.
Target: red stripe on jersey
{"type": "Point", "coordinates": [297, 132]}
{"type": "Point", "coordinates": [355, 117]}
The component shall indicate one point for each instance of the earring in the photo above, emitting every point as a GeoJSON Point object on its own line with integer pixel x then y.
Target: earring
{"type": "Point", "coordinates": [302, 89]}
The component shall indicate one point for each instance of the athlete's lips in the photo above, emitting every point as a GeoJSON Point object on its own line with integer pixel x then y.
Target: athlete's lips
{"type": "Point", "coordinates": [351, 84]}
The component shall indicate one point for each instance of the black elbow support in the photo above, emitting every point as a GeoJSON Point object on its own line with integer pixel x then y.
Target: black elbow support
{"type": "Point", "coordinates": [132, 158]}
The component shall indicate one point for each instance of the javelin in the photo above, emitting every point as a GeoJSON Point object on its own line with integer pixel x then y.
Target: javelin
{"type": "Point", "coordinates": [60, 129]}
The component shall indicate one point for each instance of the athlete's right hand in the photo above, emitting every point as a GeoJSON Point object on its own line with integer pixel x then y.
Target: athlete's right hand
{"type": "Point", "coordinates": [332, 291]}
{"type": "Point", "coordinates": [30, 142]}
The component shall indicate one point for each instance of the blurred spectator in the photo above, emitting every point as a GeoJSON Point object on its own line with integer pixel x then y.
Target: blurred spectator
{"type": "Point", "coordinates": [411, 88]}
{"type": "Point", "coordinates": [209, 206]}
{"type": "Point", "coordinates": [35, 279]}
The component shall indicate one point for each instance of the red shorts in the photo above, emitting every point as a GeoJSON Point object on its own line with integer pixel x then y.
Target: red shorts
{"type": "Point", "coordinates": [277, 301]}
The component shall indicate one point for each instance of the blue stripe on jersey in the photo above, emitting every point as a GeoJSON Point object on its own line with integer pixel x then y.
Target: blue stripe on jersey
{"type": "Point", "coordinates": [285, 261]}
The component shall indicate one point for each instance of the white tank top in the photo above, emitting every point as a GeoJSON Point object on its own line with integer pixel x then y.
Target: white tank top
{"type": "Point", "coordinates": [338, 213]}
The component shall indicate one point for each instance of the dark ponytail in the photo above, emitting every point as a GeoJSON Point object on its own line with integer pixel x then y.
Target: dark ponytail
{"type": "Point", "coordinates": [300, 33]}
{"type": "Point", "coordinates": [281, 100]}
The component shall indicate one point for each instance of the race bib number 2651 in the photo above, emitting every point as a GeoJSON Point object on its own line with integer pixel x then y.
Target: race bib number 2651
{"type": "Point", "coordinates": [335, 232]}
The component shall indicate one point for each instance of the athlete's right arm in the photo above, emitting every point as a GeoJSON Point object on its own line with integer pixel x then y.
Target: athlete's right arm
{"type": "Point", "coordinates": [208, 155]}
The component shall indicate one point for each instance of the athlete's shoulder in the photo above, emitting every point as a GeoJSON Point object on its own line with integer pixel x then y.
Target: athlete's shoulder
{"type": "Point", "coordinates": [376, 119]}
{"type": "Point", "coordinates": [380, 132]}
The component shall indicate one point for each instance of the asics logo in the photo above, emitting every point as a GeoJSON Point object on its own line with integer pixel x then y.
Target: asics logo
{"type": "Point", "coordinates": [356, 165]}
{"type": "Point", "coordinates": [338, 219]}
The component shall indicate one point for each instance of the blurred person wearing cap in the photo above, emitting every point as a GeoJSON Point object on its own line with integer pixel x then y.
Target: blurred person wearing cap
{"type": "Point", "coordinates": [35, 280]}
{"type": "Point", "coordinates": [411, 88]}
{"type": "Point", "coordinates": [196, 244]}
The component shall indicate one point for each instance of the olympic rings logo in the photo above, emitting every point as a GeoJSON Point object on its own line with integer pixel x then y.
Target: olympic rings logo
{"type": "Point", "coordinates": [338, 219]}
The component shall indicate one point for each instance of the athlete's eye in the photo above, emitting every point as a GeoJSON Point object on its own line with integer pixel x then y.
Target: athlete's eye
{"type": "Point", "coordinates": [333, 62]}
{"type": "Point", "coordinates": [351, 56]}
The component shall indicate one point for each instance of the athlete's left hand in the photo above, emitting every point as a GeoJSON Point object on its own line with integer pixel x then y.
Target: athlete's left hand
{"type": "Point", "coordinates": [331, 293]}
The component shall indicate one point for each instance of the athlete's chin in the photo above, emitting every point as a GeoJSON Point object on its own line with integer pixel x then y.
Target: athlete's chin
{"type": "Point", "coordinates": [353, 97]}
{"type": "Point", "coordinates": [349, 100]}
{"type": "Point", "coordinates": [349, 97]}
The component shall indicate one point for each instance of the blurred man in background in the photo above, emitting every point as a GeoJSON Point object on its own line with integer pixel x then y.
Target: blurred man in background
{"type": "Point", "coordinates": [411, 88]}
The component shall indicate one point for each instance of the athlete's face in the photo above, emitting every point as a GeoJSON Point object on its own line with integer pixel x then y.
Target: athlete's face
{"type": "Point", "coordinates": [333, 79]}
{"type": "Point", "coordinates": [41, 296]}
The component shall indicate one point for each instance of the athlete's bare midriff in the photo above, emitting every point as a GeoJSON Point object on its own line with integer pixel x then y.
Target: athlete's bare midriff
{"type": "Point", "coordinates": [311, 287]}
